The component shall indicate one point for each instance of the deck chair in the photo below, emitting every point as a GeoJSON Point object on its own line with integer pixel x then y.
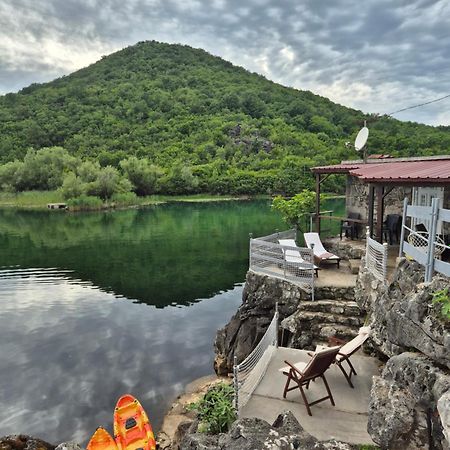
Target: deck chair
{"type": "Point", "coordinates": [347, 350]}
{"type": "Point", "coordinates": [295, 257]}
{"type": "Point", "coordinates": [319, 251]}
{"type": "Point", "coordinates": [302, 373]}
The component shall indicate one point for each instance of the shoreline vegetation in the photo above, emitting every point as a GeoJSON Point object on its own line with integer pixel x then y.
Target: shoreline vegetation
{"type": "Point", "coordinates": [38, 200]}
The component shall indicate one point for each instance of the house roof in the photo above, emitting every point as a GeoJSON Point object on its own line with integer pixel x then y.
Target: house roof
{"type": "Point", "coordinates": [413, 171]}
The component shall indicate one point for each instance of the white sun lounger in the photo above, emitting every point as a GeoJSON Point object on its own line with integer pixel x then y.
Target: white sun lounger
{"type": "Point", "coordinates": [294, 256]}
{"type": "Point", "coordinates": [319, 251]}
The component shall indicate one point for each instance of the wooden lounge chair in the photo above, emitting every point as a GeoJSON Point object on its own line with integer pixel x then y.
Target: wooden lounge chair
{"type": "Point", "coordinates": [347, 350]}
{"type": "Point", "coordinates": [302, 373]}
{"type": "Point", "coordinates": [319, 251]}
{"type": "Point", "coordinates": [294, 256]}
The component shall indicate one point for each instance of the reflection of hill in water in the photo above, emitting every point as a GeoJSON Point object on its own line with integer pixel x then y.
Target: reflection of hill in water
{"type": "Point", "coordinates": [173, 253]}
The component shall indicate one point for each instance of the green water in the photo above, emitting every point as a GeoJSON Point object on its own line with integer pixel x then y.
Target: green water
{"type": "Point", "coordinates": [96, 305]}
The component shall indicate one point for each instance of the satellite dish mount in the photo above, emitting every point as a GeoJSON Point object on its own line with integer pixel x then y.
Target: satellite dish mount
{"type": "Point", "coordinates": [361, 140]}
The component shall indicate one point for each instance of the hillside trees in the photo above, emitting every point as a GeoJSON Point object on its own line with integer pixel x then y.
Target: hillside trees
{"type": "Point", "coordinates": [172, 119]}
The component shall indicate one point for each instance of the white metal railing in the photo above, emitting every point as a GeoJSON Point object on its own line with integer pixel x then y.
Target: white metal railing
{"type": "Point", "coordinates": [248, 374]}
{"type": "Point", "coordinates": [294, 264]}
{"type": "Point", "coordinates": [425, 247]}
{"type": "Point", "coordinates": [376, 257]}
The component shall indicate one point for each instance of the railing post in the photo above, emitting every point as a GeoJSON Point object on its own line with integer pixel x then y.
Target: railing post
{"type": "Point", "coordinates": [276, 324]}
{"type": "Point", "coordinates": [250, 235]}
{"type": "Point", "coordinates": [402, 235]}
{"type": "Point", "coordinates": [236, 385]}
{"type": "Point", "coordinates": [367, 246]}
{"type": "Point", "coordinates": [385, 259]}
{"type": "Point", "coordinates": [431, 237]}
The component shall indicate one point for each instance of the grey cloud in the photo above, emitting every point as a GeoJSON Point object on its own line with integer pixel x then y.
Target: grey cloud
{"type": "Point", "coordinates": [393, 52]}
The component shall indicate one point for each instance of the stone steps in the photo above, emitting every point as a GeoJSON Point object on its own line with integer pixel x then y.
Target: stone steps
{"type": "Point", "coordinates": [347, 308]}
{"type": "Point", "coordinates": [327, 318]}
{"type": "Point", "coordinates": [334, 293]}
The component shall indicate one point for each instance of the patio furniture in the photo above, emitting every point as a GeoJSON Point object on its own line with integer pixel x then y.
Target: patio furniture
{"type": "Point", "coordinates": [392, 227]}
{"type": "Point", "coordinates": [302, 374]}
{"type": "Point", "coordinates": [351, 228]}
{"type": "Point", "coordinates": [312, 240]}
{"type": "Point", "coordinates": [295, 257]}
{"type": "Point", "coordinates": [347, 350]}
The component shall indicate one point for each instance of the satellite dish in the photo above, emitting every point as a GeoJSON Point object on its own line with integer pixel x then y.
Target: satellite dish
{"type": "Point", "coordinates": [361, 139]}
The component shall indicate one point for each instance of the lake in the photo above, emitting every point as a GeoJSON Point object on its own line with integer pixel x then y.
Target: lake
{"type": "Point", "coordinates": [95, 305]}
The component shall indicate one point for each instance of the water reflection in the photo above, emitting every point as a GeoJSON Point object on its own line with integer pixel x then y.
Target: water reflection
{"type": "Point", "coordinates": [162, 255]}
{"type": "Point", "coordinates": [70, 350]}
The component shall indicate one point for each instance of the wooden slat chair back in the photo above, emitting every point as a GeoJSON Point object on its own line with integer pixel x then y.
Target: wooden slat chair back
{"type": "Point", "coordinates": [347, 350]}
{"type": "Point", "coordinates": [303, 373]}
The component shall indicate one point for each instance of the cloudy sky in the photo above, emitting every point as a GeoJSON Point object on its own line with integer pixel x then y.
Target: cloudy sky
{"type": "Point", "coordinates": [374, 55]}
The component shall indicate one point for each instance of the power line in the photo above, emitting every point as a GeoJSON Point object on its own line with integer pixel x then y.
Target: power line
{"type": "Point", "coordinates": [420, 104]}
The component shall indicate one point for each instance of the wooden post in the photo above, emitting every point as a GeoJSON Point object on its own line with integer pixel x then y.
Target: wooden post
{"type": "Point", "coordinates": [379, 192]}
{"type": "Point", "coordinates": [371, 205]}
{"type": "Point", "coordinates": [318, 202]}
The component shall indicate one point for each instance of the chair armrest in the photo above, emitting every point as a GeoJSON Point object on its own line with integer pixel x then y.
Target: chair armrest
{"type": "Point", "coordinates": [293, 367]}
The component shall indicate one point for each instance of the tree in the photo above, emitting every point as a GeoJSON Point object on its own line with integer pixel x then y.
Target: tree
{"type": "Point", "coordinates": [143, 176]}
{"type": "Point", "coordinates": [296, 210]}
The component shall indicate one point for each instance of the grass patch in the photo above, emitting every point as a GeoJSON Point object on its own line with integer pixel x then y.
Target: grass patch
{"type": "Point", "coordinates": [30, 199]}
{"type": "Point", "coordinates": [40, 199]}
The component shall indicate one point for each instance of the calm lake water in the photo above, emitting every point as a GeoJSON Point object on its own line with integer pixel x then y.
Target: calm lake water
{"type": "Point", "coordinates": [96, 305]}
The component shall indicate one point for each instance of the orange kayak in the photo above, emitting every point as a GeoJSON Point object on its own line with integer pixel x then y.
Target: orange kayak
{"type": "Point", "coordinates": [132, 429]}
{"type": "Point", "coordinates": [101, 440]}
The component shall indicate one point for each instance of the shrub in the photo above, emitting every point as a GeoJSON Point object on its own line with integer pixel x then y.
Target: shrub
{"type": "Point", "coordinates": [124, 198]}
{"type": "Point", "coordinates": [72, 186]}
{"type": "Point", "coordinates": [85, 203]}
{"type": "Point", "coordinates": [215, 410]}
{"type": "Point", "coordinates": [442, 298]}
{"type": "Point", "coordinates": [109, 181]}
{"type": "Point", "coordinates": [143, 176]}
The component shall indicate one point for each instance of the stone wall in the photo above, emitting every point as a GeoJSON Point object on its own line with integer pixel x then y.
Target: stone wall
{"type": "Point", "coordinates": [357, 194]}
{"type": "Point", "coordinates": [409, 329]}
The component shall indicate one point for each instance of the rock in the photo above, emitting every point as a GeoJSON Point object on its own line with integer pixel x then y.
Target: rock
{"type": "Point", "coordinates": [402, 315]}
{"type": "Point", "coordinates": [23, 442]}
{"type": "Point", "coordinates": [256, 434]}
{"type": "Point", "coordinates": [443, 407]}
{"type": "Point", "coordinates": [68, 446]}
{"type": "Point", "coordinates": [403, 399]}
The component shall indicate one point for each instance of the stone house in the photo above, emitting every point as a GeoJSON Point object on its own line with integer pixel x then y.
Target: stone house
{"type": "Point", "coordinates": [377, 187]}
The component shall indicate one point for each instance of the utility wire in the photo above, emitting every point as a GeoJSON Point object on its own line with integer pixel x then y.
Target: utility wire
{"type": "Point", "coordinates": [421, 104]}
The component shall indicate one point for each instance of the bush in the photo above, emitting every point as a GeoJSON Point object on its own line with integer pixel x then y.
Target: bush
{"type": "Point", "coordinates": [109, 182]}
{"type": "Point", "coordinates": [215, 410]}
{"type": "Point", "coordinates": [85, 203]}
{"type": "Point", "coordinates": [124, 198]}
{"type": "Point", "coordinates": [442, 298]}
{"type": "Point", "coordinates": [72, 186]}
{"type": "Point", "coordinates": [142, 175]}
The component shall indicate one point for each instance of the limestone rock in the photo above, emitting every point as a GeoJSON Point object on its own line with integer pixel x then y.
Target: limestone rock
{"type": "Point", "coordinates": [23, 442]}
{"type": "Point", "coordinates": [402, 314]}
{"type": "Point", "coordinates": [443, 407]}
{"type": "Point", "coordinates": [256, 434]}
{"type": "Point", "coordinates": [68, 446]}
{"type": "Point", "coordinates": [403, 399]}
{"type": "Point", "coordinates": [240, 336]}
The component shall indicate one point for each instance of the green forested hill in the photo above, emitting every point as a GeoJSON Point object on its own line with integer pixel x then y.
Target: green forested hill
{"type": "Point", "coordinates": [195, 118]}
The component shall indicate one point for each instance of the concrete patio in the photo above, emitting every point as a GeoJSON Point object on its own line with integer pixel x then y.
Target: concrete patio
{"type": "Point", "coordinates": [347, 421]}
